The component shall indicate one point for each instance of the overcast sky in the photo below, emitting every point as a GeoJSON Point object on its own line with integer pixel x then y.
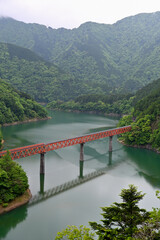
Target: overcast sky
{"type": "Point", "coordinates": [72, 13]}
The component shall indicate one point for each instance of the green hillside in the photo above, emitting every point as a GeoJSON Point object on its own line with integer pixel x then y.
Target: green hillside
{"type": "Point", "coordinates": [120, 57]}
{"type": "Point", "coordinates": [145, 119]}
{"type": "Point", "coordinates": [147, 90]}
{"type": "Point", "coordinates": [17, 106]}
{"type": "Point", "coordinates": [44, 81]}
{"type": "Point", "coordinates": [1, 138]}
{"type": "Point", "coordinates": [117, 104]}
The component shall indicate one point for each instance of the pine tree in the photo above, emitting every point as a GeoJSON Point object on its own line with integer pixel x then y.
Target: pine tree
{"type": "Point", "coordinates": [121, 220]}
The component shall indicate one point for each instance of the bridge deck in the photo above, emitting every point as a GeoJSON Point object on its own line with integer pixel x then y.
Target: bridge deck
{"type": "Point", "coordinates": [42, 147]}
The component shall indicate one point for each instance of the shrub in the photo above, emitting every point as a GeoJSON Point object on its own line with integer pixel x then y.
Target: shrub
{"type": "Point", "coordinates": [13, 179]}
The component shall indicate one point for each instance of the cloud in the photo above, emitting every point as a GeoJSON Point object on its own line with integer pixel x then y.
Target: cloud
{"type": "Point", "coordinates": [71, 13]}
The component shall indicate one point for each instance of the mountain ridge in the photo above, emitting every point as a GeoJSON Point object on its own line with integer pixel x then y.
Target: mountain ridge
{"type": "Point", "coordinates": [118, 57]}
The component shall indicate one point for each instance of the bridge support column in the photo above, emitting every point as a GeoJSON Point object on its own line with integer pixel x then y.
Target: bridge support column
{"type": "Point", "coordinates": [42, 163]}
{"type": "Point", "coordinates": [81, 162]}
{"type": "Point", "coordinates": [82, 152]}
{"type": "Point", "coordinates": [41, 183]}
{"type": "Point", "coordinates": [110, 159]}
{"type": "Point", "coordinates": [81, 169]}
{"type": "Point", "coordinates": [110, 143]}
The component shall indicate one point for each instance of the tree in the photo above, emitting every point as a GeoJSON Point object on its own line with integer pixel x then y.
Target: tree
{"type": "Point", "coordinates": [121, 220]}
{"type": "Point", "coordinates": [150, 229]}
{"type": "Point", "coordinates": [1, 138]}
{"type": "Point", "coordinates": [74, 233]}
{"type": "Point", "coordinates": [13, 179]}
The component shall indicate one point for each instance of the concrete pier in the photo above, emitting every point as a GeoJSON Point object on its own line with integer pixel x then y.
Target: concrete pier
{"type": "Point", "coordinates": [42, 163]}
{"type": "Point", "coordinates": [110, 143]}
{"type": "Point", "coordinates": [82, 152]}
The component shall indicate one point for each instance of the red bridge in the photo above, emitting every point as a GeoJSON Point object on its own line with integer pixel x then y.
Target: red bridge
{"type": "Point", "coordinates": [42, 148]}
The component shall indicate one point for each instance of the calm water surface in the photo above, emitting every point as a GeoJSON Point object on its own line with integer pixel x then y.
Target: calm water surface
{"type": "Point", "coordinates": [81, 204]}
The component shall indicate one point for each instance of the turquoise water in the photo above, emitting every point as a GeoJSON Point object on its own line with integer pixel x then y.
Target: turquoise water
{"type": "Point", "coordinates": [80, 204]}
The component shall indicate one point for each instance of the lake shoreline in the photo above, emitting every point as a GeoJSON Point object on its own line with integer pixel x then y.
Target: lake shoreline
{"type": "Point", "coordinates": [147, 147]}
{"type": "Point", "coordinates": [89, 112]}
{"type": "Point", "coordinates": [17, 202]}
{"type": "Point", "coordinates": [25, 121]}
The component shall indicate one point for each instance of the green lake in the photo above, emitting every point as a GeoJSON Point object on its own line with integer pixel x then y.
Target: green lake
{"type": "Point", "coordinates": [81, 204]}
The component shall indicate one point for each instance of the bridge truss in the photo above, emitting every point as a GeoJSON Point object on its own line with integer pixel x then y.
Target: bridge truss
{"type": "Point", "coordinates": [42, 148]}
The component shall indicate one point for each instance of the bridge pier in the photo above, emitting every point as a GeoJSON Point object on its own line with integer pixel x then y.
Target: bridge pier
{"type": "Point", "coordinates": [110, 143]}
{"type": "Point", "coordinates": [81, 162]}
{"type": "Point", "coordinates": [42, 163]}
{"type": "Point", "coordinates": [82, 152]}
{"type": "Point", "coordinates": [110, 159]}
{"type": "Point", "coordinates": [41, 183]}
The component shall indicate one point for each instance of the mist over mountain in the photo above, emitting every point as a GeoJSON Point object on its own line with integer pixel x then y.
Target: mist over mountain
{"type": "Point", "coordinates": [121, 57]}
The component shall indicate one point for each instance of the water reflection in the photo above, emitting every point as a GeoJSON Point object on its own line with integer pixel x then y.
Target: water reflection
{"type": "Point", "coordinates": [11, 220]}
{"type": "Point", "coordinates": [43, 195]}
{"type": "Point", "coordinates": [11, 133]}
{"type": "Point", "coordinates": [66, 186]}
{"type": "Point", "coordinates": [147, 164]}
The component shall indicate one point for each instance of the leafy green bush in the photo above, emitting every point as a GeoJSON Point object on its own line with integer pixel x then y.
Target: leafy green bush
{"type": "Point", "coordinates": [72, 232]}
{"type": "Point", "coordinates": [13, 179]}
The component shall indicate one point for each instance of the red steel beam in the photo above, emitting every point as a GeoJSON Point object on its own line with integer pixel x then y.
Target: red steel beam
{"type": "Point", "coordinates": [85, 138]}
{"type": "Point", "coordinates": [42, 148]}
{"type": "Point", "coordinates": [25, 151]}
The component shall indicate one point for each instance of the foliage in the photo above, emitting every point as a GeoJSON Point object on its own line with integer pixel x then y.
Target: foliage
{"type": "Point", "coordinates": [140, 133]}
{"type": "Point", "coordinates": [151, 228]}
{"type": "Point", "coordinates": [95, 58]}
{"type": "Point", "coordinates": [74, 233]}
{"type": "Point", "coordinates": [17, 106]}
{"type": "Point", "coordinates": [145, 120]}
{"type": "Point", "coordinates": [13, 179]}
{"type": "Point", "coordinates": [44, 81]}
{"type": "Point", "coordinates": [122, 220]}
{"type": "Point", "coordinates": [1, 138]}
{"type": "Point", "coordinates": [117, 104]}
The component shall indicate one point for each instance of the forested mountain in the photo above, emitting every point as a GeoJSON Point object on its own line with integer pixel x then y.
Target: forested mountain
{"type": "Point", "coordinates": [17, 106]}
{"type": "Point", "coordinates": [149, 89]}
{"type": "Point", "coordinates": [119, 57]}
{"type": "Point", "coordinates": [112, 104]}
{"type": "Point", "coordinates": [145, 118]}
{"type": "Point", "coordinates": [44, 81]}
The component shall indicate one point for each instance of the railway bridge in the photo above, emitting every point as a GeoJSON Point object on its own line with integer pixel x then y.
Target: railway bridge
{"type": "Point", "coordinates": [43, 148]}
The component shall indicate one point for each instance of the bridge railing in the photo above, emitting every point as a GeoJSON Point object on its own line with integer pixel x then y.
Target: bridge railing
{"type": "Point", "coordinates": [42, 147]}
{"type": "Point", "coordinates": [85, 138]}
{"type": "Point", "coordinates": [25, 151]}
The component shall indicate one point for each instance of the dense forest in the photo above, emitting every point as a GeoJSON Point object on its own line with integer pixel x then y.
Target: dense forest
{"type": "Point", "coordinates": [1, 138]}
{"type": "Point", "coordinates": [145, 118]}
{"type": "Point", "coordinates": [17, 106]}
{"type": "Point", "coordinates": [101, 58]}
{"type": "Point", "coordinates": [107, 104]}
{"type": "Point", "coordinates": [96, 67]}
{"type": "Point", "coordinates": [44, 81]}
